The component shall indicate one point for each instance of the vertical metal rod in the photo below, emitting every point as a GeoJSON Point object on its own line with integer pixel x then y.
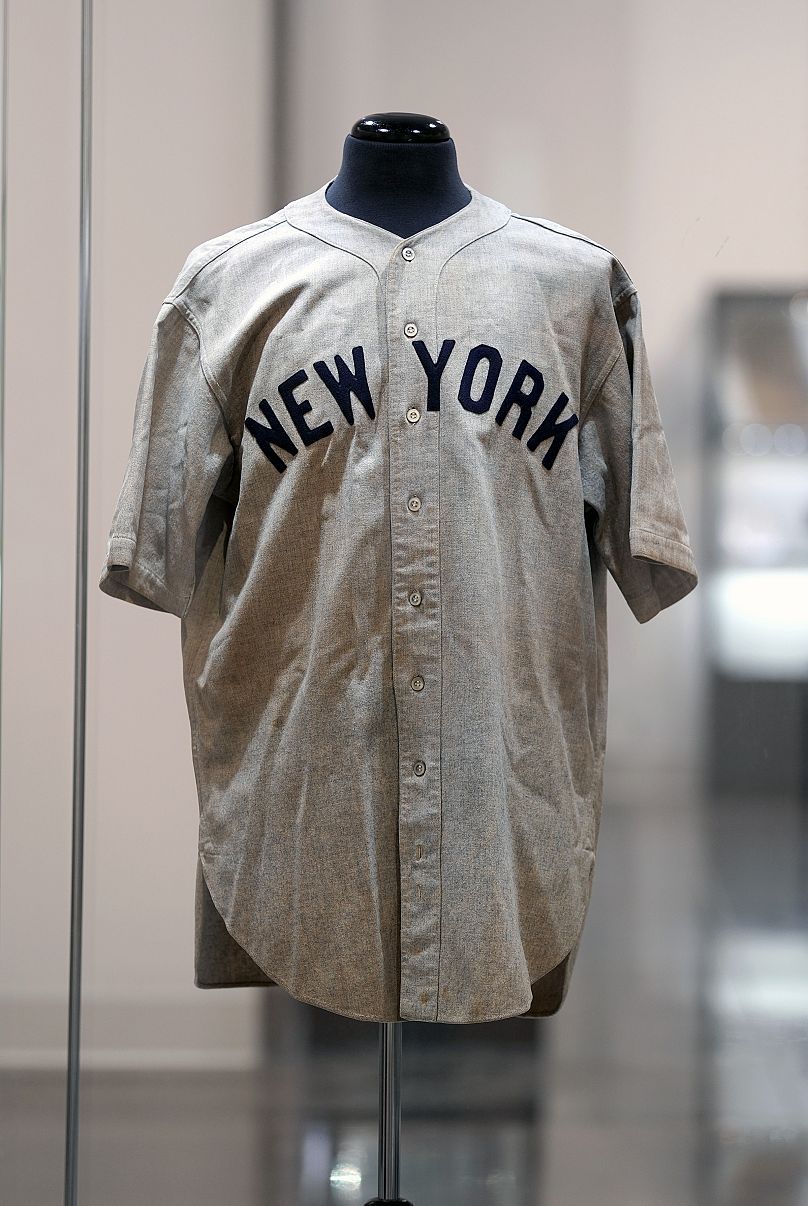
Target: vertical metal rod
{"type": "Point", "coordinates": [282, 105]}
{"type": "Point", "coordinates": [3, 273]}
{"type": "Point", "coordinates": [80, 644]}
{"type": "Point", "coordinates": [389, 1108]}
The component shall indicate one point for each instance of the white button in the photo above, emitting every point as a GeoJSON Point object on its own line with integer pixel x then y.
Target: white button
{"type": "Point", "coordinates": [413, 414]}
{"type": "Point", "coordinates": [408, 253]}
{"type": "Point", "coordinates": [414, 503]}
{"type": "Point", "coordinates": [417, 683]}
{"type": "Point", "coordinates": [419, 769]}
{"type": "Point", "coordinates": [415, 597]}
{"type": "Point", "coordinates": [410, 330]}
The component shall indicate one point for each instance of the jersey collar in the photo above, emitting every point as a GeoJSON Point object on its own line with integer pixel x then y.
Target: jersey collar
{"type": "Point", "coordinates": [315, 215]}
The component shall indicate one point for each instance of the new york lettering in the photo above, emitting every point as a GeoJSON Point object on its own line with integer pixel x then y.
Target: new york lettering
{"type": "Point", "coordinates": [522, 393]}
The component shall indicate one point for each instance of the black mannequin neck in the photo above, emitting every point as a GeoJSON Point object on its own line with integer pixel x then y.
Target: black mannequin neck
{"type": "Point", "coordinates": [403, 187]}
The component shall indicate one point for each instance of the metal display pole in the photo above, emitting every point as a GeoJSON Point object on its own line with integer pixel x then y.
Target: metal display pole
{"type": "Point", "coordinates": [389, 1115]}
{"type": "Point", "coordinates": [80, 645]}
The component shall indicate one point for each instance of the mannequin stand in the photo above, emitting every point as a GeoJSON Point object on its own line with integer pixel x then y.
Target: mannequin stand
{"type": "Point", "coordinates": [389, 1115]}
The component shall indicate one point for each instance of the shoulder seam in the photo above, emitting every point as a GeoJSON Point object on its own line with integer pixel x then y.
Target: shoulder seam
{"type": "Point", "coordinates": [598, 385]}
{"type": "Point", "coordinates": [603, 377]}
{"type": "Point", "coordinates": [264, 226]}
{"type": "Point", "coordinates": [188, 315]}
{"type": "Point", "coordinates": [563, 234]}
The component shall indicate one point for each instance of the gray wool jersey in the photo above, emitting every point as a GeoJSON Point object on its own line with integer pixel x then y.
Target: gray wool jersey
{"type": "Point", "coordinates": [380, 480]}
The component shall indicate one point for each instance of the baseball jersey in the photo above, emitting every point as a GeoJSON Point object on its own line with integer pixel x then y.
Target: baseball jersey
{"type": "Point", "coordinates": [381, 481]}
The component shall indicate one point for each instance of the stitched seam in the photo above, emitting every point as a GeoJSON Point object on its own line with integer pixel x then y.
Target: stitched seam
{"type": "Point", "coordinates": [598, 386]}
{"type": "Point", "coordinates": [658, 536]}
{"type": "Point", "coordinates": [617, 302]}
{"type": "Point", "coordinates": [563, 234]}
{"type": "Point", "coordinates": [264, 229]}
{"type": "Point", "coordinates": [142, 572]}
{"type": "Point", "coordinates": [153, 580]}
{"type": "Point", "coordinates": [348, 250]}
{"type": "Point", "coordinates": [472, 239]}
{"type": "Point", "coordinates": [629, 289]}
{"type": "Point", "coordinates": [214, 387]}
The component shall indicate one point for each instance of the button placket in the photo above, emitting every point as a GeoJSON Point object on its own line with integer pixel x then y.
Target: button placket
{"type": "Point", "coordinates": [413, 452]}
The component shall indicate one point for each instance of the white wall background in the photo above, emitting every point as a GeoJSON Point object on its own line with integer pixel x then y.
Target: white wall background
{"type": "Point", "coordinates": [675, 135]}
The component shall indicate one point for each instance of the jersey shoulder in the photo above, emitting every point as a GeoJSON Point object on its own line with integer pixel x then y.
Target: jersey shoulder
{"type": "Point", "coordinates": [221, 253]}
{"type": "Point", "coordinates": [574, 247]}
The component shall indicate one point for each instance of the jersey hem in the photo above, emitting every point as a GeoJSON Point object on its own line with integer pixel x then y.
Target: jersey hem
{"type": "Point", "coordinates": [279, 982]}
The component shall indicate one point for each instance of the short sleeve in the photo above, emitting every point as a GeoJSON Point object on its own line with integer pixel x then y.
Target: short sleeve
{"type": "Point", "coordinates": [180, 456]}
{"type": "Point", "coordinates": [638, 525]}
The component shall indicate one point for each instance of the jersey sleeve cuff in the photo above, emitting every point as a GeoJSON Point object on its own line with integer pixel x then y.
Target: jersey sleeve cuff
{"type": "Point", "coordinates": [122, 577]}
{"type": "Point", "coordinates": [675, 572]}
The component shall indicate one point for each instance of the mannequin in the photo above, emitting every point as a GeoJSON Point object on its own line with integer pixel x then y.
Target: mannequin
{"type": "Point", "coordinates": [398, 171]}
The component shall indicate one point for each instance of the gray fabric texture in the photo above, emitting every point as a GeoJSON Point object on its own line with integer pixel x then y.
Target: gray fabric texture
{"type": "Point", "coordinates": [381, 482]}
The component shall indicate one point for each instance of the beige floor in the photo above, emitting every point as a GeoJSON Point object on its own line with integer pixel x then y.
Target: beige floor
{"type": "Point", "coordinates": [676, 1073]}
